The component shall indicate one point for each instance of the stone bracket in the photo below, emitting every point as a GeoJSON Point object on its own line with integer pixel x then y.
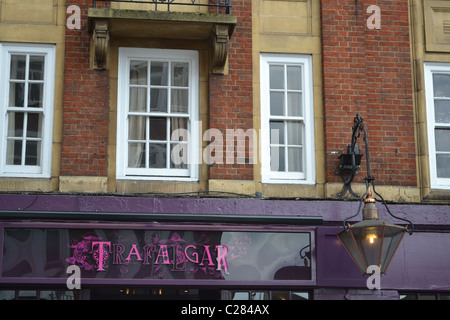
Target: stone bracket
{"type": "Point", "coordinates": [100, 38]}
{"type": "Point", "coordinates": [216, 30]}
{"type": "Point", "coordinates": [220, 44]}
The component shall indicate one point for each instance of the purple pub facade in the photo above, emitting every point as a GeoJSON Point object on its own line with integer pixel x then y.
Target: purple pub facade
{"type": "Point", "coordinates": [193, 149]}
{"type": "Point", "coordinates": [265, 256]}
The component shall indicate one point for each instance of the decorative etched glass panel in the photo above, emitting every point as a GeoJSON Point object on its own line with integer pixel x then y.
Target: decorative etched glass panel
{"type": "Point", "coordinates": [443, 165]}
{"type": "Point", "coordinates": [442, 111]}
{"type": "Point", "coordinates": [442, 140]}
{"type": "Point", "coordinates": [441, 85]}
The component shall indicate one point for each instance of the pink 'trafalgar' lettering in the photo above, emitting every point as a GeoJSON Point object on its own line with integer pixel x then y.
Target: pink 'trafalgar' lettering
{"type": "Point", "coordinates": [159, 254]}
{"type": "Point", "coordinates": [101, 257]}
{"type": "Point", "coordinates": [221, 258]}
{"type": "Point", "coordinates": [164, 253]}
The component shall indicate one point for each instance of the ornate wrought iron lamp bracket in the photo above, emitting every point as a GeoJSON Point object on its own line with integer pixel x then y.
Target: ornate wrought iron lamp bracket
{"type": "Point", "coordinates": [350, 162]}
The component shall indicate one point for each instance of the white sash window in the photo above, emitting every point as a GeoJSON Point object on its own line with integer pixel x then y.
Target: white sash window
{"type": "Point", "coordinates": [287, 130]}
{"type": "Point", "coordinates": [157, 110]}
{"type": "Point", "coordinates": [27, 88]}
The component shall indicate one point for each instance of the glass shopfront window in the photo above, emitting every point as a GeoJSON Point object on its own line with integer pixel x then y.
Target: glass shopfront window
{"type": "Point", "coordinates": [160, 255]}
{"type": "Point", "coordinates": [38, 294]}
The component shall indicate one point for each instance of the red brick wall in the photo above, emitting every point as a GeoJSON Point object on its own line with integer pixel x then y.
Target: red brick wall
{"type": "Point", "coordinates": [86, 92]}
{"type": "Point", "coordinates": [85, 111]}
{"type": "Point", "coordinates": [368, 71]}
{"type": "Point", "coordinates": [231, 96]}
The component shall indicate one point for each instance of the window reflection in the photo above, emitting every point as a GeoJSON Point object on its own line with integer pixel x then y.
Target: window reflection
{"type": "Point", "coordinates": [267, 295]}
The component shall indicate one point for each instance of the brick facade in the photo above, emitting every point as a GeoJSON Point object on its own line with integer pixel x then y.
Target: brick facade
{"type": "Point", "coordinates": [231, 96]}
{"type": "Point", "coordinates": [86, 105]}
{"type": "Point", "coordinates": [365, 71]}
{"type": "Point", "coordinates": [368, 71]}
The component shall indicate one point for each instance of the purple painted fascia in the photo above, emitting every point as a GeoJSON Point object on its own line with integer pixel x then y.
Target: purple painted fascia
{"type": "Point", "coordinates": [421, 262]}
{"type": "Point", "coordinates": [332, 211]}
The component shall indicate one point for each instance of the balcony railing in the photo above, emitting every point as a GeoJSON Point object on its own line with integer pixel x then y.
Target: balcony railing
{"type": "Point", "coordinates": [220, 6]}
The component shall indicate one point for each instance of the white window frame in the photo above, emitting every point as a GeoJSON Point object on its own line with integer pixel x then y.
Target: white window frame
{"type": "Point", "coordinates": [122, 170]}
{"type": "Point", "coordinates": [308, 174]}
{"type": "Point", "coordinates": [43, 170]}
{"type": "Point", "coordinates": [429, 70]}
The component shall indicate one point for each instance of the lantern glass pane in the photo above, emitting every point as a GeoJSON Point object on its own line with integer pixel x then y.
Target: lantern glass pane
{"type": "Point", "coordinates": [372, 242]}
{"type": "Point", "coordinates": [392, 238]}
{"type": "Point", "coordinates": [349, 244]}
{"type": "Point", "coordinates": [369, 241]}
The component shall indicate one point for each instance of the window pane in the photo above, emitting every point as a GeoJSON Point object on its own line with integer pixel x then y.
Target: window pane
{"type": "Point", "coordinates": [179, 101]}
{"type": "Point", "coordinates": [18, 67]}
{"type": "Point", "coordinates": [36, 68]}
{"type": "Point", "coordinates": [35, 93]}
{"type": "Point", "coordinates": [442, 111]}
{"type": "Point", "coordinates": [276, 74]}
{"type": "Point", "coordinates": [136, 155]}
{"type": "Point", "coordinates": [441, 85]}
{"type": "Point", "coordinates": [277, 132]}
{"type": "Point", "coordinates": [16, 94]}
{"type": "Point", "coordinates": [15, 124]}
{"type": "Point", "coordinates": [179, 129]}
{"type": "Point", "coordinates": [67, 295]}
{"type": "Point", "coordinates": [443, 165]}
{"type": "Point", "coordinates": [240, 295]}
{"type": "Point", "coordinates": [299, 296]}
{"type": "Point", "coordinates": [158, 129]}
{"type": "Point", "coordinates": [277, 159]}
{"type": "Point", "coordinates": [260, 295]}
{"type": "Point", "coordinates": [295, 163]}
{"type": "Point", "coordinates": [280, 295]}
{"type": "Point", "coordinates": [14, 152]}
{"type": "Point", "coordinates": [158, 100]}
{"type": "Point", "coordinates": [138, 72]}
{"type": "Point", "coordinates": [48, 295]}
{"type": "Point", "coordinates": [27, 295]}
{"type": "Point", "coordinates": [7, 294]}
{"type": "Point", "coordinates": [276, 103]}
{"type": "Point", "coordinates": [138, 99]}
{"type": "Point", "coordinates": [180, 74]}
{"type": "Point", "coordinates": [442, 137]}
{"type": "Point", "coordinates": [178, 155]}
{"type": "Point", "coordinates": [427, 297]}
{"type": "Point", "coordinates": [32, 153]}
{"type": "Point", "coordinates": [159, 73]}
{"type": "Point", "coordinates": [157, 155]}
{"type": "Point", "coordinates": [294, 132]}
{"type": "Point", "coordinates": [294, 77]}
{"type": "Point", "coordinates": [295, 104]}
{"type": "Point", "coordinates": [34, 125]}
{"type": "Point", "coordinates": [136, 128]}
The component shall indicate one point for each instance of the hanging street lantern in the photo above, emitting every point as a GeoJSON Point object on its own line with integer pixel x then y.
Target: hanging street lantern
{"type": "Point", "coordinates": [371, 242]}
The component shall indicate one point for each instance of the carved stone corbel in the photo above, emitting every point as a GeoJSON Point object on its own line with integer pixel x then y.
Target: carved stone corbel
{"type": "Point", "coordinates": [100, 37]}
{"type": "Point", "coordinates": [220, 42]}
